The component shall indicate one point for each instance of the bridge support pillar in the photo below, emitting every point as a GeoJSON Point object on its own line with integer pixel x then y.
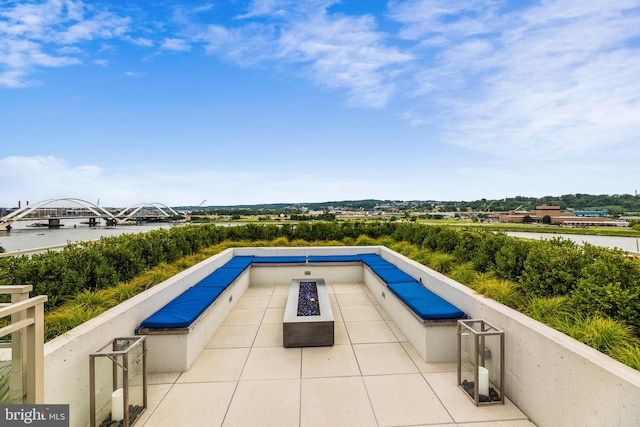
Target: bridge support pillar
{"type": "Point", "coordinates": [54, 223]}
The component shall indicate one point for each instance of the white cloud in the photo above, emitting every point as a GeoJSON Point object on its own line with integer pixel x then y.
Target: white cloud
{"type": "Point", "coordinates": [46, 34]}
{"type": "Point", "coordinates": [26, 177]}
{"type": "Point", "coordinates": [436, 21]}
{"type": "Point", "coordinates": [282, 8]}
{"type": "Point", "coordinates": [246, 46]}
{"type": "Point", "coordinates": [543, 79]}
{"type": "Point", "coordinates": [345, 52]}
{"type": "Point", "coordinates": [168, 185]}
{"type": "Point", "coordinates": [554, 80]}
{"type": "Point", "coordinates": [178, 45]}
{"type": "Point", "coordinates": [336, 51]}
{"type": "Point", "coordinates": [139, 41]}
{"type": "Point", "coordinates": [135, 74]}
{"type": "Point", "coordinates": [103, 26]}
{"type": "Point", "coordinates": [12, 79]}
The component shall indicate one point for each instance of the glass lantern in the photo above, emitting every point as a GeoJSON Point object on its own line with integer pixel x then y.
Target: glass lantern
{"type": "Point", "coordinates": [118, 382]}
{"type": "Point", "coordinates": [481, 361]}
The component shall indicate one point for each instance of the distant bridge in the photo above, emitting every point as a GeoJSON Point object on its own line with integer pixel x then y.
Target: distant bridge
{"type": "Point", "coordinates": [31, 212]}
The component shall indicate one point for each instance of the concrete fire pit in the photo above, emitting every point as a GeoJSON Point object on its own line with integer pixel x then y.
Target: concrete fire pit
{"type": "Point", "coordinates": [308, 319]}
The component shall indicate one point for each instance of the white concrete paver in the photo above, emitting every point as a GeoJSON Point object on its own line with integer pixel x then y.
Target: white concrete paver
{"type": "Point", "coordinates": [371, 376]}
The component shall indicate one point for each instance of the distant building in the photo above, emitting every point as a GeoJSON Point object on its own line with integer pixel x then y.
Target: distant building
{"type": "Point", "coordinates": [557, 217]}
{"type": "Point", "coordinates": [544, 210]}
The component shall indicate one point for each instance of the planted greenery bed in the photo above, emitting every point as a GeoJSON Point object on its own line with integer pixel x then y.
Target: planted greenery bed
{"type": "Point", "coordinates": [589, 293]}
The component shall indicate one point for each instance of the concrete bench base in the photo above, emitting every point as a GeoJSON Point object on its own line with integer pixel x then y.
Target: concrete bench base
{"type": "Point", "coordinates": [308, 331]}
{"type": "Point", "coordinates": [435, 340]}
{"type": "Point", "coordinates": [175, 350]}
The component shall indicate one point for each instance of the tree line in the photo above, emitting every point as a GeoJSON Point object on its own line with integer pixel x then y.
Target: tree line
{"type": "Point", "coordinates": [615, 204]}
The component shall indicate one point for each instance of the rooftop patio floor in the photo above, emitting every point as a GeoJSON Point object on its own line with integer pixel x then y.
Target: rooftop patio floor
{"type": "Point", "coordinates": [372, 376]}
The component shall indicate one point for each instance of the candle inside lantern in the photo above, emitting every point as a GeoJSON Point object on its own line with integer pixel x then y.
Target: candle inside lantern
{"type": "Point", "coordinates": [117, 405]}
{"type": "Point", "coordinates": [483, 381]}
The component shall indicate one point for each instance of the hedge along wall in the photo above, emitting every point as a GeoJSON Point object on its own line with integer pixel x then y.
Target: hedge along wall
{"type": "Point", "coordinates": [597, 280]}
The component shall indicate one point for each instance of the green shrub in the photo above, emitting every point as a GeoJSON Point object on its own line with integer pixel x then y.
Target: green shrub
{"type": "Point", "coordinates": [348, 241]}
{"type": "Point", "coordinates": [437, 238]}
{"type": "Point", "coordinates": [552, 268]}
{"type": "Point", "coordinates": [610, 286]}
{"type": "Point", "coordinates": [63, 320]}
{"type": "Point", "coordinates": [423, 256]}
{"type": "Point", "coordinates": [92, 301]}
{"type": "Point", "coordinates": [598, 332]}
{"type": "Point", "coordinates": [280, 241]}
{"type": "Point", "coordinates": [464, 273]}
{"type": "Point", "coordinates": [477, 246]}
{"type": "Point", "coordinates": [160, 273]}
{"type": "Point", "coordinates": [365, 241]}
{"type": "Point", "coordinates": [447, 239]}
{"type": "Point", "coordinates": [627, 353]}
{"type": "Point", "coordinates": [443, 263]}
{"type": "Point", "coordinates": [405, 248]}
{"type": "Point", "coordinates": [504, 291]}
{"type": "Point", "coordinates": [510, 258]}
{"type": "Point", "coordinates": [469, 243]}
{"type": "Point", "coordinates": [548, 310]}
{"type": "Point", "coordinates": [123, 291]}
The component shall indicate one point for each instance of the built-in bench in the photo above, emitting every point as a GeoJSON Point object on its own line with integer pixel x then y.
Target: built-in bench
{"type": "Point", "coordinates": [334, 258]}
{"type": "Point", "coordinates": [184, 314]}
{"type": "Point", "coordinates": [424, 303]}
{"type": "Point", "coordinates": [428, 321]}
{"type": "Point", "coordinates": [279, 259]}
{"type": "Point", "coordinates": [177, 333]}
{"type": "Point", "coordinates": [180, 313]}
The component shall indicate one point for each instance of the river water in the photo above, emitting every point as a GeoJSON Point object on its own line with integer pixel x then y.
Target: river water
{"type": "Point", "coordinates": [628, 244]}
{"type": "Point", "coordinates": [25, 238]}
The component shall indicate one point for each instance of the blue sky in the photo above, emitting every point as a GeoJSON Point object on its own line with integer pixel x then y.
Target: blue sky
{"type": "Point", "coordinates": [270, 101]}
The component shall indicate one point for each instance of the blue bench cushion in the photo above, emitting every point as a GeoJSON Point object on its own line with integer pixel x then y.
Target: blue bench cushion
{"type": "Point", "coordinates": [374, 259]}
{"type": "Point", "coordinates": [279, 259]}
{"type": "Point", "coordinates": [184, 309]}
{"type": "Point", "coordinates": [222, 277]}
{"type": "Point", "coordinates": [391, 274]}
{"type": "Point", "coordinates": [334, 258]}
{"type": "Point", "coordinates": [243, 262]}
{"type": "Point", "coordinates": [426, 304]}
